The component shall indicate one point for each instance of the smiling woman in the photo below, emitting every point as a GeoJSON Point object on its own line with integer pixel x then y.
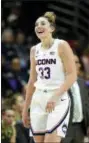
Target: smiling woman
{"type": "Point", "coordinates": [42, 24]}
{"type": "Point", "coordinates": [48, 84]}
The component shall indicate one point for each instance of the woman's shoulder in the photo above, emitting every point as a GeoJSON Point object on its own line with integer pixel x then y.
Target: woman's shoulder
{"type": "Point", "coordinates": [36, 46]}
{"type": "Point", "coordinates": [63, 46]}
{"type": "Point", "coordinates": [62, 41]}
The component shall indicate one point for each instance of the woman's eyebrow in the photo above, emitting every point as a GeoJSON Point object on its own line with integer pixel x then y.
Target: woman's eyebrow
{"type": "Point", "coordinates": [40, 22]}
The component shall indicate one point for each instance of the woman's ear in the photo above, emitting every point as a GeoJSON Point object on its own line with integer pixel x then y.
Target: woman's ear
{"type": "Point", "coordinates": [53, 28]}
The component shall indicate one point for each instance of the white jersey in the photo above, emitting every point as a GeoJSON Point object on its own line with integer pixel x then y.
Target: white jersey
{"type": "Point", "coordinates": [50, 76]}
{"type": "Point", "coordinates": [49, 67]}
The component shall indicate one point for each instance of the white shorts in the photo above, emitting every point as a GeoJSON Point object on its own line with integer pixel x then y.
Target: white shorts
{"type": "Point", "coordinates": [43, 122]}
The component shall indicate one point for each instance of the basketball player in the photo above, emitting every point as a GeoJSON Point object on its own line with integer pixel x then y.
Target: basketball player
{"type": "Point", "coordinates": [52, 73]}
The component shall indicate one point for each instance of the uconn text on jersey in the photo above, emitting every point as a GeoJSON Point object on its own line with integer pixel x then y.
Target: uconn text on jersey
{"type": "Point", "coordinates": [46, 61]}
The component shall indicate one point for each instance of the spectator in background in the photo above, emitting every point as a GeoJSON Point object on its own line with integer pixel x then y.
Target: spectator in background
{"type": "Point", "coordinates": [13, 77]}
{"type": "Point", "coordinates": [4, 70]}
{"type": "Point", "coordinates": [15, 64]}
{"type": "Point", "coordinates": [8, 129]}
{"type": "Point", "coordinates": [8, 36]}
{"type": "Point", "coordinates": [2, 21]}
{"type": "Point", "coordinates": [17, 103]}
{"type": "Point", "coordinates": [13, 18]}
{"type": "Point", "coordinates": [79, 65]}
{"type": "Point", "coordinates": [80, 120]}
{"type": "Point", "coordinates": [85, 60]}
{"type": "Point", "coordinates": [20, 38]}
{"type": "Point", "coordinates": [7, 44]}
{"type": "Point", "coordinates": [21, 48]}
{"type": "Point", "coordinates": [18, 71]}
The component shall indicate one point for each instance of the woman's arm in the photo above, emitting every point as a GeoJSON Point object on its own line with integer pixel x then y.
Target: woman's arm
{"type": "Point", "coordinates": [33, 76]}
{"type": "Point", "coordinates": [67, 57]}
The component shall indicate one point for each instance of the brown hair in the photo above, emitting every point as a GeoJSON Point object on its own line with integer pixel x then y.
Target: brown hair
{"type": "Point", "coordinates": [51, 17]}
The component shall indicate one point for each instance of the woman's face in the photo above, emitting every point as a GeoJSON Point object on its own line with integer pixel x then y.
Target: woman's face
{"type": "Point", "coordinates": [20, 103]}
{"type": "Point", "coordinates": [9, 117]}
{"type": "Point", "coordinates": [43, 28]}
{"type": "Point", "coordinates": [77, 62]}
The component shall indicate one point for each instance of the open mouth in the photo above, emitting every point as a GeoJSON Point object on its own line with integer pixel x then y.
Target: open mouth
{"type": "Point", "coordinates": [40, 32]}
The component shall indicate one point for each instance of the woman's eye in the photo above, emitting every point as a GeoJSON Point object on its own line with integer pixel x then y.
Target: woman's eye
{"type": "Point", "coordinates": [41, 23]}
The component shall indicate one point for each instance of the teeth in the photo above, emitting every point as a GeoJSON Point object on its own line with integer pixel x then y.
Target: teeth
{"type": "Point", "coordinates": [40, 32]}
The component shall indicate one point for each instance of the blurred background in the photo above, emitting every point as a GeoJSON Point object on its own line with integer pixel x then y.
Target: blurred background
{"type": "Point", "coordinates": [17, 37]}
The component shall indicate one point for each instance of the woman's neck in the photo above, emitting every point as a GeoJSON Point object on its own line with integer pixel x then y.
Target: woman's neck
{"type": "Point", "coordinates": [47, 42]}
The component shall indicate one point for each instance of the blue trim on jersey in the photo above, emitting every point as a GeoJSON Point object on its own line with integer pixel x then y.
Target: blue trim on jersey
{"type": "Point", "coordinates": [50, 131]}
{"type": "Point", "coordinates": [38, 133]}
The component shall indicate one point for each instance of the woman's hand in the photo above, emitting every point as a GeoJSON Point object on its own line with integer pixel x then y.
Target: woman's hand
{"type": "Point", "coordinates": [52, 103]}
{"type": "Point", "coordinates": [25, 118]}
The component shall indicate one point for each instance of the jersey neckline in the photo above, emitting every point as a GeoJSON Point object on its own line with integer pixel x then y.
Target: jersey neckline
{"type": "Point", "coordinates": [44, 50]}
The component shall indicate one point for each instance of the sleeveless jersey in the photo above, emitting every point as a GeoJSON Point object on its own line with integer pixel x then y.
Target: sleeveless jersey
{"type": "Point", "coordinates": [49, 67]}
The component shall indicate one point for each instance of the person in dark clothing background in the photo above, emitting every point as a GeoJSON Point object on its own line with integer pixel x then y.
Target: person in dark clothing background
{"type": "Point", "coordinates": [22, 133]}
{"type": "Point", "coordinates": [80, 121]}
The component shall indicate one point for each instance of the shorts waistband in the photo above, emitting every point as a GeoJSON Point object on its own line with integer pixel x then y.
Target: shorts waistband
{"type": "Point", "coordinates": [45, 90]}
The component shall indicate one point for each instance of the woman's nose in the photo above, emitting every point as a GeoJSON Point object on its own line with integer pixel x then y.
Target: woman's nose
{"type": "Point", "coordinates": [38, 27]}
